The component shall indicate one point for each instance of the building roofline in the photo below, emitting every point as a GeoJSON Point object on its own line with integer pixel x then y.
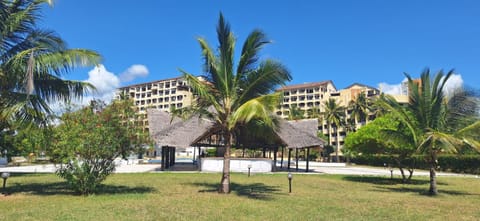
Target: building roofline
{"type": "Point", "coordinates": [305, 85]}
{"type": "Point", "coordinates": [157, 81]}
{"type": "Point", "coordinates": [362, 85]}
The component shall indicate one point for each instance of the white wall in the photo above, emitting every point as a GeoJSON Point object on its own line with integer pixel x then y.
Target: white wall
{"type": "Point", "coordinates": [215, 164]}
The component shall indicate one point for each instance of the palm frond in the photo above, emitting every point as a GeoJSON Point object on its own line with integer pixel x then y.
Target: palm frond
{"type": "Point", "coordinates": [258, 108]}
{"type": "Point", "coordinates": [269, 75]}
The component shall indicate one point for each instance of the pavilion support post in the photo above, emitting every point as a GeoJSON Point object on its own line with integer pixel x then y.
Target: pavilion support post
{"type": "Point", "coordinates": [243, 151]}
{"type": "Point", "coordinates": [199, 162]}
{"type": "Point", "coordinates": [308, 160]}
{"type": "Point", "coordinates": [275, 149]}
{"type": "Point", "coordinates": [289, 158]}
{"type": "Point", "coordinates": [281, 160]}
{"type": "Point", "coordinates": [264, 149]}
{"type": "Point", "coordinates": [296, 159]}
{"type": "Point", "coordinates": [193, 157]}
{"type": "Point", "coordinates": [163, 158]}
{"type": "Point", "coordinates": [172, 156]}
{"type": "Point", "coordinates": [167, 157]}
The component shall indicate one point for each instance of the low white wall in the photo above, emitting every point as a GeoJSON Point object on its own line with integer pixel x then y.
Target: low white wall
{"type": "Point", "coordinates": [215, 164]}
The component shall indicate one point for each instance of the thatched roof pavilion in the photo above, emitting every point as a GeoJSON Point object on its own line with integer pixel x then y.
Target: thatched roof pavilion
{"type": "Point", "coordinates": [196, 132]}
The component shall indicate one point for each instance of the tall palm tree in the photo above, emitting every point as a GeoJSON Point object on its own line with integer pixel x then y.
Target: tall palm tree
{"type": "Point", "coordinates": [359, 108]}
{"type": "Point", "coordinates": [334, 115]}
{"type": "Point", "coordinates": [33, 62]}
{"type": "Point", "coordinates": [430, 120]}
{"type": "Point", "coordinates": [232, 96]}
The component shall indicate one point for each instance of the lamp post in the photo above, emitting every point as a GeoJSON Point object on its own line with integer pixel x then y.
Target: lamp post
{"type": "Point", "coordinates": [391, 171]}
{"type": "Point", "coordinates": [5, 176]}
{"type": "Point", "coordinates": [290, 177]}
{"type": "Point", "coordinates": [249, 167]}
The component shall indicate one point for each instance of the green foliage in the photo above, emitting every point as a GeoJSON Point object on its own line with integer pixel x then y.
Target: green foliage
{"type": "Point", "coordinates": [33, 63]}
{"type": "Point", "coordinates": [87, 142]}
{"type": "Point", "coordinates": [448, 163]}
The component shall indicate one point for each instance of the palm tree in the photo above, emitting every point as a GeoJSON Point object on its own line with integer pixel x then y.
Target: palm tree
{"type": "Point", "coordinates": [334, 114]}
{"type": "Point", "coordinates": [33, 62]}
{"type": "Point", "coordinates": [295, 113]}
{"type": "Point", "coordinates": [430, 120]}
{"type": "Point", "coordinates": [359, 108]}
{"type": "Point", "coordinates": [232, 96]}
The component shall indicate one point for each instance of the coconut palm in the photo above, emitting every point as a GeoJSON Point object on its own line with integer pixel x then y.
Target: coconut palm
{"type": "Point", "coordinates": [334, 115]}
{"type": "Point", "coordinates": [359, 108]}
{"type": "Point", "coordinates": [33, 62]}
{"type": "Point", "coordinates": [234, 95]}
{"type": "Point", "coordinates": [431, 120]}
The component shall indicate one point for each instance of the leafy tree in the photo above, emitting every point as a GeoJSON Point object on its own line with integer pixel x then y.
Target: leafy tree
{"type": "Point", "coordinates": [387, 136]}
{"type": "Point", "coordinates": [432, 121]}
{"type": "Point", "coordinates": [236, 95]}
{"type": "Point", "coordinates": [87, 142]}
{"type": "Point", "coordinates": [33, 62]}
{"type": "Point", "coordinates": [334, 115]}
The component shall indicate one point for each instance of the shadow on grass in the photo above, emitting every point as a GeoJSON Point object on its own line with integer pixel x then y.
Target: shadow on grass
{"type": "Point", "coordinates": [423, 191]}
{"type": "Point", "coordinates": [257, 191]}
{"type": "Point", "coordinates": [61, 188]}
{"type": "Point", "coordinates": [387, 181]}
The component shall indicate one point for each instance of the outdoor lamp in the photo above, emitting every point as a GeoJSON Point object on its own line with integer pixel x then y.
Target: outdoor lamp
{"type": "Point", "coordinates": [391, 171]}
{"type": "Point", "coordinates": [5, 176]}
{"type": "Point", "coordinates": [290, 177]}
{"type": "Point", "coordinates": [249, 167]}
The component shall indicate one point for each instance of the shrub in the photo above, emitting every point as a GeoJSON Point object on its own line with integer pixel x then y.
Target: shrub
{"type": "Point", "coordinates": [447, 163]}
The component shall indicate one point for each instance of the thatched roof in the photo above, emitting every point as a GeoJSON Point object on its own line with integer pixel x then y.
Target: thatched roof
{"type": "Point", "coordinates": [178, 133]}
{"type": "Point", "coordinates": [159, 120]}
{"type": "Point", "coordinates": [300, 133]}
{"type": "Point", "coordinates": [293, 134]}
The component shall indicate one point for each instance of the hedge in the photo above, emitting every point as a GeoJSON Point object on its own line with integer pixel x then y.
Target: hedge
{"type": "Point", "coordinates": [447, 163]}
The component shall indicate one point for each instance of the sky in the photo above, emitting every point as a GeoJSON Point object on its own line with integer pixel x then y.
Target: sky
{"type": "Point", "coordinates": [368, 42]}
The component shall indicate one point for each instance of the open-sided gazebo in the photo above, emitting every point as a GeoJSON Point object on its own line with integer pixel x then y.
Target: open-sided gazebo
{"type": "Point", "coordinates": [199, 132]}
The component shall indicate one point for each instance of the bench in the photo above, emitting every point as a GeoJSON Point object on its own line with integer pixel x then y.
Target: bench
{"type": "Point", "coordinates": [19, 160]}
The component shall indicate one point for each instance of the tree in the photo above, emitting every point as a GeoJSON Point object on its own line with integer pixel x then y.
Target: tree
{"type": "Point", "coordinates": [87, 142]}
{"type": "Point", "coordinates": [359, 108]}
{"type": "Point", "coordinates": [295, 113]}
{"type": "Point", "coordinates": [387, 136]}
{"type": "Point", "coordinates": [236, 95]}
{"type": "Point", "coordinates": [33, 62]}
{"type": "Point", "coordinates": [334, 115]}
{"type": "Point", "coordinates": [431, 120]}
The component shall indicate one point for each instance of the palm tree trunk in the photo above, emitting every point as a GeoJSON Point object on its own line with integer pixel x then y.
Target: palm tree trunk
{"type": "Point", "coordinates": [337, 158]}
{"type": "Point", "coordinates": [433, 175]}
{"type": "Point", "coordinates": [225, 183]}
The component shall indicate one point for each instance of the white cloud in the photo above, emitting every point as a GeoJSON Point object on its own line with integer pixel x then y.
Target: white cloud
{"type": "Point", "coordinates": [454, 82]}
{"type": "Point", "coordinates": [393, 89]}
{"type": "Point", "coordinates": [104, 81]}
{"type": "Point", "coordinates": [134, 71]}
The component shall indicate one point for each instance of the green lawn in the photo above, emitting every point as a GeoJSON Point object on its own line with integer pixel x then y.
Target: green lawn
{"type": "Point", "coordinates": [184, 196]}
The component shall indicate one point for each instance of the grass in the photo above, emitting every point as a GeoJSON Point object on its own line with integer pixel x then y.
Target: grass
{"type": "Point", "coordinates": [193, 196]}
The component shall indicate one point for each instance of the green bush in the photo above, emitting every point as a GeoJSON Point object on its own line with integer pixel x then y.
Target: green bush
{"type": "Point", "coordinates": [447, 163]}
{"type": "Point", "coordinates": [84, 177]}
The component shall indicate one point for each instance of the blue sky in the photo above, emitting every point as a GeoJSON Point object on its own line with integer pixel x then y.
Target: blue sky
{"type": "Point", "coordinates": [369, 42]}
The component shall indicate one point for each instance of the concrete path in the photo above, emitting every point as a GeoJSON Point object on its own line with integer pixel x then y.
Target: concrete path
{"type": "Point", "coordinates": [315, 167]}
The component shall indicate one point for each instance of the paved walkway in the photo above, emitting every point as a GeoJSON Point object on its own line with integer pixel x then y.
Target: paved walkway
{"type": "Point", "coordinates": [315, 167]}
